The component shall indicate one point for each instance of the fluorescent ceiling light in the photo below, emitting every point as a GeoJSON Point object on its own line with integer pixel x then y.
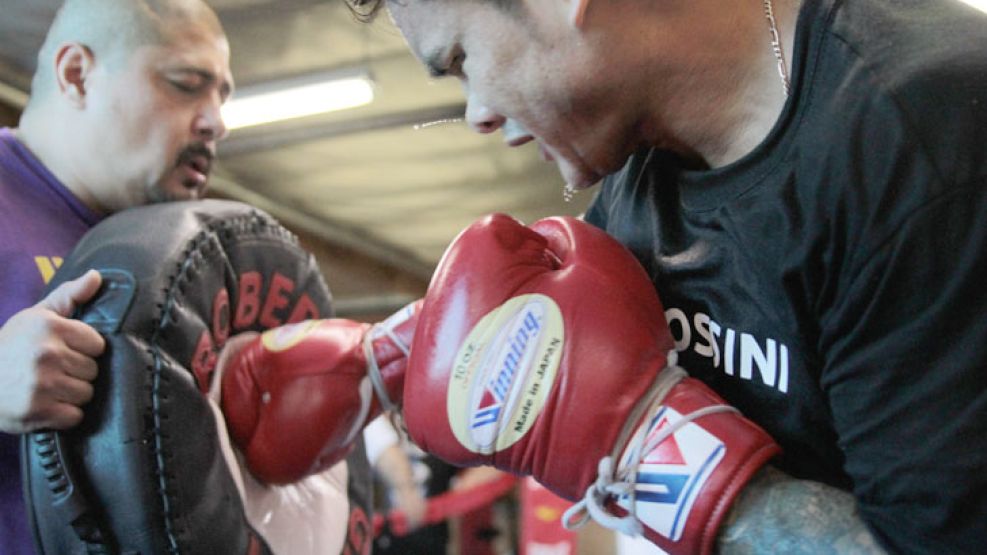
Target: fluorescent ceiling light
{"type": "Point", "coordinates": [296, 98]}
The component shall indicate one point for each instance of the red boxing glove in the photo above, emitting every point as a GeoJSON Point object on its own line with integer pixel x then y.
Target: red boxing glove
{"type": "Point", "coordinates": [296, 397]}
{"type": "Point", "coordinates": [543, 350]}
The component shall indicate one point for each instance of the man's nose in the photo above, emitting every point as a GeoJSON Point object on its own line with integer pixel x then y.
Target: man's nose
{"type": "Point", "coordinates": [481, 118]}
{"type": "Point", "coordinates": [209, 125]}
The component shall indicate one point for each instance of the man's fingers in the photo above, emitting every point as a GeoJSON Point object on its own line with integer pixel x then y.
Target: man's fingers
{"type": "Point", "coordinates": [61, 416]}
{"type": "Point", "coordinates": [81, 337]}
{"type": "Point", "coordinates": [69, 295]}
{"type": "Point", "coordinates": [62, 388]}
{"type": "Point", "coordinates": [66, 382]}
{"type": "Point", "coordinates": [71, 390]}
{"type": "Point", "coordinates": [58, 402]}
{"type": "Point", "coordinates": [78, 366]}
{"type": "Point", "coordinates": [53, 416]}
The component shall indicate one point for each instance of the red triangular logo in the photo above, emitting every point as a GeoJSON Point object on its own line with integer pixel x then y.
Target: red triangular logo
{"type": "Point", "coordinates": [488, 399]}
{"type": "Point", "coordinates": [668, 451]}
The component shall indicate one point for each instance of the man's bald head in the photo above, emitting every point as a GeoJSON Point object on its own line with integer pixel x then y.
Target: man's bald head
{"type": "Point", "coordinates": [140, 83]}
{"type": "Point", "coordinates": [114, 29]}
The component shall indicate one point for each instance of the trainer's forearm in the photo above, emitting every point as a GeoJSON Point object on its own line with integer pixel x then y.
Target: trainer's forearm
{"type": "Point", "coordinates": [779, 514]}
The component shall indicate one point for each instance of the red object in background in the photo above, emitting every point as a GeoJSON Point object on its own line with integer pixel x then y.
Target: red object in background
{"type": "Point", "coordinates": [450, 504]}
{"type": "Point", "coordinates": [477, 532]}
{"type": "Point", "coordinates": [541, 522]}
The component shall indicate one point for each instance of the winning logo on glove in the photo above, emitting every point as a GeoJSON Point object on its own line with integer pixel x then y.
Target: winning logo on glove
{"type": "Point", "coordinates": [503, 373]}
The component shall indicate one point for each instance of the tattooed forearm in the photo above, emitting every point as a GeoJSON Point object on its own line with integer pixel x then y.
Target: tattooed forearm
{"type": "Point", "coordinates": [779, 514]}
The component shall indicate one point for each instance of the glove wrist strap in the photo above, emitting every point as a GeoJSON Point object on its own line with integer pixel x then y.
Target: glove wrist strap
{"type": "Point", "coordinates": [622, 481]}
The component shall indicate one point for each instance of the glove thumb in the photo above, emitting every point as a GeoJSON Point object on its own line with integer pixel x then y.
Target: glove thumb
{"type": "Point", "coordinates": [68, 296]}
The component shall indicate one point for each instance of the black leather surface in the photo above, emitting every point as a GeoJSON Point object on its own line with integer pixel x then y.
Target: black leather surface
{"type": "Point", "coordinates": [148, 475]}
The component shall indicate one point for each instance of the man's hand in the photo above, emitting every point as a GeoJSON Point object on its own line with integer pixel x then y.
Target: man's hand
{"type": "Point", "coordinates": [47, 360]}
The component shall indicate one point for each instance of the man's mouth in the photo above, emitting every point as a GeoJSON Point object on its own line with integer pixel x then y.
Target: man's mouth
{"type": "Point", "coordinates": [519, 136]}
{"type": "Point", "coordinates": [201, 164]}
{"type": "Point", "coordinates": [197, 160]}
{"type": "Point", "coordinates": [518, 140]}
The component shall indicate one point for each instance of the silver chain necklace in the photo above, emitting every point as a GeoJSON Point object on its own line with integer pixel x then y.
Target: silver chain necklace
{"type": "Point", "coordinates": [776, 46]}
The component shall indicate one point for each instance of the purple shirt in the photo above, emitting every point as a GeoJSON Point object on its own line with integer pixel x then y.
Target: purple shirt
{"type": "Point", "coordinates": [40, 222]}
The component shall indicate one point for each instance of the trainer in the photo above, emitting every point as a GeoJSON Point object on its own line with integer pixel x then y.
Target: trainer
{"type": "Point", "coordinates": [124, 110]}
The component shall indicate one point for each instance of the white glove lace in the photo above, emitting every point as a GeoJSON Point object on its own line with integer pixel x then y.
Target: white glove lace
{"type": "Point", "coordinates": [373, 369]}
{"type": "Point", "coordinates": [610, 481]}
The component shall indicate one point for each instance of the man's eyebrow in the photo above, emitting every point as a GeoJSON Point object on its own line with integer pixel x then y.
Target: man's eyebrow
{"type": "Point", "coordinates": [435, 63]}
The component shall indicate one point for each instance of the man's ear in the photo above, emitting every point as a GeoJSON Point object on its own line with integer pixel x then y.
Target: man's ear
{"type": "Point", "coordinates": [74, 63]}
{"type": "Point", "coordinates": [577, 12]}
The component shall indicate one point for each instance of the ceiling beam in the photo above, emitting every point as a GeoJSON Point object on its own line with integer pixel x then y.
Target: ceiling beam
{"type": "Point", "coordinates": [332, 232]}
{"type": "Point", "coordinates": [14, 84]}
{"type": "Point", "coordinates": [16, 76]}
{"type": "Point", "coordinates": [355, 307]}
{"type": "Point", "coordinates": [263, 10]}
{"type": "Point", "coordinates": [13, 97]}
{"type": "Point", "coordinates": [275, 138]}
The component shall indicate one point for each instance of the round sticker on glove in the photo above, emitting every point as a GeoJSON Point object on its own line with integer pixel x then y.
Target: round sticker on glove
{"type": "Point", "coordinates": [503, 373]}
{"type": "Point", "coordinates": [285, 337]}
